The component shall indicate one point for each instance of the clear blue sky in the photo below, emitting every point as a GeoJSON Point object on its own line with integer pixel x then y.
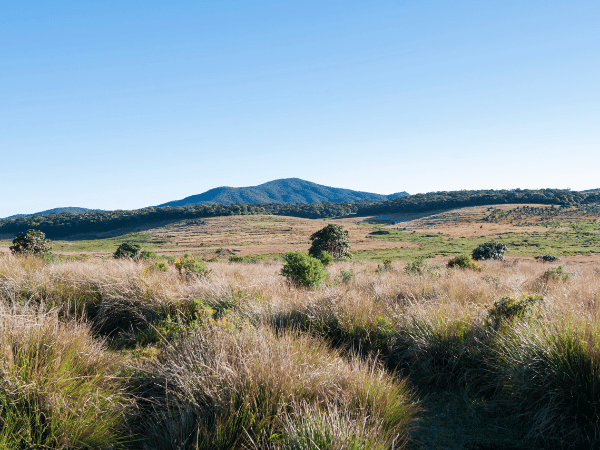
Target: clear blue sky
{"type": "Point", "coordinates": [126, 104]}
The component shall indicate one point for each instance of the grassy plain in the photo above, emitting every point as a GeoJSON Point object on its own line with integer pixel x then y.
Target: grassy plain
{"type": "Point", "coordinates": [528, 230]}
{"type": "Point", "coordinates": [240, 358]}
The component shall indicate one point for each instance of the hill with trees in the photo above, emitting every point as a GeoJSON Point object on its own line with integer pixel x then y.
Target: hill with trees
{"type": "Point", "coordinates": [70, 224]}
{"type": "Point", "coordinates": [68, 209]}
{"type": "Point", "coordinates": [288, 190]}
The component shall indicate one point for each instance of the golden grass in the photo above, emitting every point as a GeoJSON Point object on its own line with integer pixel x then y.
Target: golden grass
{"type": "Point", "coordinates": [321, 359]}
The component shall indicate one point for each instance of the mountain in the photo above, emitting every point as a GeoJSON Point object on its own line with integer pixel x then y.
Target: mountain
{"type": "Point", "coordinates": [288, 190]}
{"type": "Point", "coordinates": [68, 209]}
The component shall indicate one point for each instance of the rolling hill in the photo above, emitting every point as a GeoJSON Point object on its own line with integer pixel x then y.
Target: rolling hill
{"type": "Point", "coordinates": [288, 190]}
{"type": "Point", "coordinates": [67, 209]}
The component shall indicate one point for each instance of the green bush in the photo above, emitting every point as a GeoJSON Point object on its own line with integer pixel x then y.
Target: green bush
{"type": "Point", "coordinates": [464, 262]}
{"type": "Point", "coordinates": [302, 269]}
{"type": "Point", "coordinates": [509, 309]}
{"type": "Point", "coordinates": [556, 274]}
{"type": "Point", "coordinates": [191, 267]}
{"type": "Point", "coordinates": [146, 254]}
{"type": "Point", "coordinates": [325, 258]}
{"type": "Point", "coordinates": [420, 266]}
{"type": "Point", "coordinates": [33, 242]}
{"type": "Point", "coordinates": [332, 239]}
{"type": "Point", "coordinates": [490, 250]}
{"type": "Point", "coordinates": [128, 250]}
{"type": "Point", "coordinates": [547, 258]}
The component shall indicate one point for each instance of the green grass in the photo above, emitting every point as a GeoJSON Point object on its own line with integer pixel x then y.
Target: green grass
{"type": "Point", "coordinates": [146, 241]}
{"type": "Point", "coordinates": [577, 241]}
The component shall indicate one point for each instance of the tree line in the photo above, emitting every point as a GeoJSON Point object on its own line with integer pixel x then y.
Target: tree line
{"type": "Point", "coordinates": [66, 224]}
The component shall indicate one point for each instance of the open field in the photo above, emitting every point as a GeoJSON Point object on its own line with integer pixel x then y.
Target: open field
{"type": "Point", "coordinates": [528, 230]}
{"type": "Point", "coordinates": [239, 358]}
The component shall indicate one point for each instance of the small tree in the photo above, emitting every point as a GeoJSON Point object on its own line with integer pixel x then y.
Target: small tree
{"type": "Point", "coordinates": [332, 239]}
{"type": "Point", "coordinates": [33, 242]}
{"type": "Point", "coordinates": [128, 250]}
{"type": "Point", "coordinates": [490, 250]}
{"type": "Point", "coordinates": [302, 269]}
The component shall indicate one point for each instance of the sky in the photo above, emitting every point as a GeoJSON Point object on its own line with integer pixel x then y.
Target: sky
{"type": "Point", "coordinates": [127, 104]}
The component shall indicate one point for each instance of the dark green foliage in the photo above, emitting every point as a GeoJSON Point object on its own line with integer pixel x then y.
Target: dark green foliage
{"type": "Point", "coordinates": [302, 269]}
{"type": "Point", "coordinates": [67, 223]}
{"type": "Point", "coordinates": [547, 258]}
{"type": "Point", "coordinates": [290, 190]}
{"type": "Point", "coordinates": [461, 199]}
{"type": "Point", "coordinates": [128, 250]}
{"type": "Point", "coordinates": [146, 254]}
{"type": "Point", "coordinates": [509, 309]}
{"type": "Point", "coordinates": [325, 258]}
{"type": "Point", "coordinates": [490, 250]}
{"type": "Point", "coordinates": [33, 242]}
{"type": "Point", "coordinates": [332, 239]}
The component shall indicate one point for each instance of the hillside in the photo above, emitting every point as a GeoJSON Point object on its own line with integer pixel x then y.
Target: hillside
{"type": "Point", "coordinates": [288, 190]}
{"type": "Point", "coordinates": [67, 209]}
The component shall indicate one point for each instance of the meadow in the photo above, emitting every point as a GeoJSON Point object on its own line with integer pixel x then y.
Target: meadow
{"type": "Point", "coordinates": [105, 353]}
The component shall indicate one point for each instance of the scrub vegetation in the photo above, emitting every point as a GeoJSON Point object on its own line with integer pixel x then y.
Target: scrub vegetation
{"type": "Point", "coordinates": [116, 353]}
{"type": "Point", "coordinates": [411, 344]}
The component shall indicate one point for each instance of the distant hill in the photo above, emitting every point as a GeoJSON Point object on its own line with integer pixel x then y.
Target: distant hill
{"type": "Point", "coordinates": [288, 190]}
{"type": "Point", "coordinates": [68, 209]}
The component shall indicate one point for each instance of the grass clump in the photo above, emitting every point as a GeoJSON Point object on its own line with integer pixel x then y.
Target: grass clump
{"type": "Point", "coordinates": [302, 269]}
{"type": "Point", "coordinates": [57, 386]}
{"type": "Point", "coordinates": [252, 388]}
{"type": "Point", "coordinates": [552, 373]}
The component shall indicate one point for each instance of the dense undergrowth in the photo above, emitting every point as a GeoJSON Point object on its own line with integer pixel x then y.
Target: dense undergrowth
{"type": "Point", "coordinates": [119, 354]}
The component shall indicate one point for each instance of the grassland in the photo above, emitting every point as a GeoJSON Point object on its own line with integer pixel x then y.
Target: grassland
{"type": "Point", "coordinates": [104, 353]}
{"type": "Point", "coordinates": [374, 359]}
{"type": "Point", "coordinates": [528, 230]}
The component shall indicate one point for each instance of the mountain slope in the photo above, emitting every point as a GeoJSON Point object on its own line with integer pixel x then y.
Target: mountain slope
{"type": "Point", "coordinates": [288, 190]}
{"type": "Point", "coordinates": [67, 209]}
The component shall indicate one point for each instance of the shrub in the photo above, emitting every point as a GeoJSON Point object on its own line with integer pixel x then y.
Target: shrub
{"type": "Point", "coordinates": [146, 254]}
{"type": "Point", "coordinates": [128, 250]}
{"type": "Point", "coordinates": [490, 250]}
{"type": "Point", "coordinates": [420, 266]}
{"type": "Point", "coordinates": [464, 262]}
{"type": "Point", "coordinates": [189, 266]}
{"type": "Point", "coordinates": [547, 258]}
{"type": "Point", "coordinates": [33, 242]}
{"type": "Point", "coordinates": [509, 309]}
{"type": "Point", "coordinates": [332, 239]}
{"type": "Point", "coordinates": [302, 269]}
{"type": "Point", "coordinates": [325, 258]}
{"type": "Point", "coordinates": [556, 274]}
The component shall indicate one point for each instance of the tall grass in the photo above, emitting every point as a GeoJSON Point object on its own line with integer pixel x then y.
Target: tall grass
{"type": "Point", "coordinates": [58, 387]}
{"type": "Point", "coordinates": [246, 360]}
{"type": "Point", "coordinates": [224, 389]}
